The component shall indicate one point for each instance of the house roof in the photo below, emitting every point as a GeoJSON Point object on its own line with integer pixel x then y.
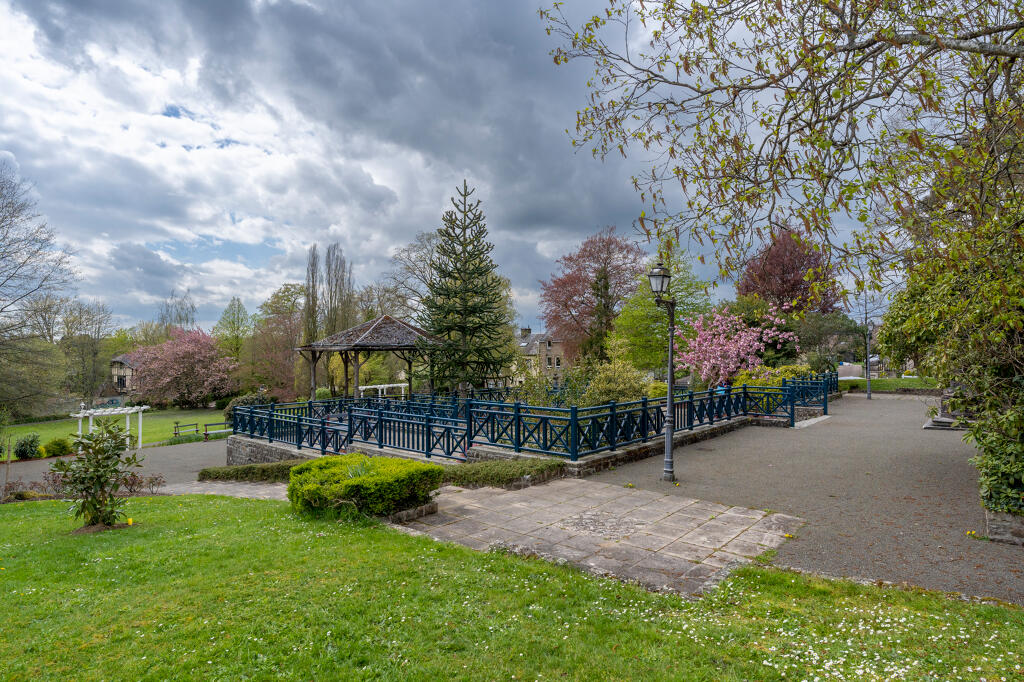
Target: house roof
{"type": "Point", "coordinates": [383, 333]}
{"type": "Point", "coordinates": [125, 359]}
{"type": "Point", "coordinates": [529, 344]}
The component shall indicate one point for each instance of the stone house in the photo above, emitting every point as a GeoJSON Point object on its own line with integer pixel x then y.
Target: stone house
{"type": "Point", "coordinates": [542, 353]}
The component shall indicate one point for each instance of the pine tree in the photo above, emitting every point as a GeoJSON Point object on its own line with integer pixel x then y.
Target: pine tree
{"type": "Point", "coordinates": [466, 304]}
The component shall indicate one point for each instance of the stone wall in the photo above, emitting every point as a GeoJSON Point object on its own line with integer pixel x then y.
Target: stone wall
{"type": "Point", "coordinates": [245, 450]}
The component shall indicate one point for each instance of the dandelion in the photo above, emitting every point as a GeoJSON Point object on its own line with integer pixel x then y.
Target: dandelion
{"type": "Point", "coordinates": [129, 520]}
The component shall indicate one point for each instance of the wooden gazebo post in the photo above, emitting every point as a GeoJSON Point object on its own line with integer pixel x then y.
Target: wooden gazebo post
{"type": "Point", "coordinates": [344, 362]}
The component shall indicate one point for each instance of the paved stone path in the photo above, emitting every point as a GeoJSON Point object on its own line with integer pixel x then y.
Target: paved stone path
{"type": "Point", "coordinates": [883, 499]}
{"type": "Point", "coordinates": [664, 542]}
{"type": "Point", "coordinates": [257, 491]}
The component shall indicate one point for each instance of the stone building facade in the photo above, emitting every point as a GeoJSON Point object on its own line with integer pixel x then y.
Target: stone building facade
{"type": "Point", "coordinates": [543, 354]}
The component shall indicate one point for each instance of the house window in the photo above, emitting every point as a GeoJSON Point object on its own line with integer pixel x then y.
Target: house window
{"type": "Point", "coordinates": [558, 362]}
{"type": "Point", "coordinates": [549, 361]}
{"type": "Point", "coordinates": [549, 343]}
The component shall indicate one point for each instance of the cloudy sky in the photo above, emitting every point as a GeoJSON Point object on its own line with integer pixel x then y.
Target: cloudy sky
{"type": "Point", "coordinates": [187, 144]}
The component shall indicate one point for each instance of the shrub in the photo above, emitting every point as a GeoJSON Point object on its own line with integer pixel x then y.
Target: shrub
{"type": "Point", "coordinates": [27, 447]}
{"type": "Point", "coordinates": [94, 477]}
{"type": "Point", "coordinates": [616, 380]}
{"type": "Point", "coordinates": [222, 403]}
{"type": "Point", "coordinates": [57, 447]}
{"type": "Point", "coordinates": [502, 472]}
{"type": "Point", "coordinates": [154, 482]}
{"type": "Point", "coordinates": [275, 472]}
{"type": "Point", "coordinates": [323, 393]}
{"type": "Point", "coordinates": [657, 389]}
{"type": "Point", "coordinates": [259, 398]}
{"type": "Point", "coordinates": [30, 496]}
{"type": "Point", "coordinates": [373, 485]}
{"type": "Point", "coordinates": [770, 376]}
{"type": "Point", "coordinates": [852, 386]}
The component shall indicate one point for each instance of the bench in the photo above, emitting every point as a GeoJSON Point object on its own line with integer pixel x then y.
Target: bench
{"type": "Point", "coordinates": [225, 428]}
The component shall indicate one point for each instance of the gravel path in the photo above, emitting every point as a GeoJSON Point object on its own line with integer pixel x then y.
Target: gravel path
{"type": "Point", "coordinates": [883, 499]}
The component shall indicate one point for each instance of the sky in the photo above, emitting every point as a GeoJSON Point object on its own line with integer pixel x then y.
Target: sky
{"type": "Point", "coordinates": [187, 144]}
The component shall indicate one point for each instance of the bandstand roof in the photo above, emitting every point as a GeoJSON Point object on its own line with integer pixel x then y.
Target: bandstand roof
{"type": "Point", "coordinates": [384, 334]}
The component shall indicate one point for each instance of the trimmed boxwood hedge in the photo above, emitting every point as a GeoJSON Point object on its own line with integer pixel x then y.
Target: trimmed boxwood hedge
{"type": "Point", "coordinates": [502, 473]}
{"type": "Point", "coordinates": [376, 486]}
{"type": "Point", "coordinates": [274, 472]}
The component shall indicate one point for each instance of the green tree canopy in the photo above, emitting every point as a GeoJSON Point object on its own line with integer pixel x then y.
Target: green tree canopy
{"type": "Point", "coordinates": [233, 328]}
{"type": "Point", "coordinates": [642, 327]}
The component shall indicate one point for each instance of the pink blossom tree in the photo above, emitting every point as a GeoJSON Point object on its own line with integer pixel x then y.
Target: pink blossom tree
{"type": "Point", "coordinates": [188, 370]}
{"type": "Point", "coordinates": [723, 344]}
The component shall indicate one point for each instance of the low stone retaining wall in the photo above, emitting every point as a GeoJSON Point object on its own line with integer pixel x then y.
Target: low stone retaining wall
{"type": "Point", "coordinates": [1004, 527]}
{"type": "Point", "coordinates": [245, 450]}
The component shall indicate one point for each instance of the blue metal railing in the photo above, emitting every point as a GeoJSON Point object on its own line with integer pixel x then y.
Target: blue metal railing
{"type": "Point", "coordinates": [447, 426]}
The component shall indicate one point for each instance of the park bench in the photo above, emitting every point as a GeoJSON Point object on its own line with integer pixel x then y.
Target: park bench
{"type": "Point", "coordinates": [225, 428]}
{"type": "Point", "coordinates": [182, 429]}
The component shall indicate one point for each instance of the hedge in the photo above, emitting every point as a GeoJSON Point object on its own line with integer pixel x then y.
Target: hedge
{"type": "Point", "coordinates": [501, 473]}
{"type": "Point", "coordinates": [376, 486]}
{"type": "Point", "coordinates": [274, 472]}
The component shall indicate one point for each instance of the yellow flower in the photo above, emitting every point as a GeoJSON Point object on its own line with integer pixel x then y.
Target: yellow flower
{"type": "Point", "coordinates": [788, 535]}
{"type": "Point", "coordinates": [129, 520]}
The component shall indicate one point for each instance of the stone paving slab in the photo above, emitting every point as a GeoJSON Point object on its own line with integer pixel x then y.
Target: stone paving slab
{"type": "Point", "coordinates": [661, 541]}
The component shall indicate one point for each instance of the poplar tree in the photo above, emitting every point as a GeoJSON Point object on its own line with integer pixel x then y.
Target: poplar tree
{"type": "Point", "coordinates": [466, 304]}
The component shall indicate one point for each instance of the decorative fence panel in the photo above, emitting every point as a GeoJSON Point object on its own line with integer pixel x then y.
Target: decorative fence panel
{"type": "Point", "coordinates": [447, 426]}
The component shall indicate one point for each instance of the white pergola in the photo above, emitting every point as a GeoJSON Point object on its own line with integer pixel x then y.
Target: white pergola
{"type": "Point", "coordinates": [111, 412]}
{"type": "Point", "coordinates": [381, 389]}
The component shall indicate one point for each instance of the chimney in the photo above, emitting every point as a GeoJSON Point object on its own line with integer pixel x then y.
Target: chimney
{"type": "Point", "coordinates": [524, 332]}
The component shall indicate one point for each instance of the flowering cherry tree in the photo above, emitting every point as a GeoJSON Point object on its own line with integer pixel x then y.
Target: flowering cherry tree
{"type": "Point", "coordinates": [723, 344]}
{"type": "Point", "coordinates": [188, 369]}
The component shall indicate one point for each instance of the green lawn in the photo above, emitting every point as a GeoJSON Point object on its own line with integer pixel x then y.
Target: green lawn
{"type": "Point", "coordinates": [157, 425]}
{"type": "Point", "coordinates": [217, 588]}
{"type": "Point", "coordinates": [888, 385]}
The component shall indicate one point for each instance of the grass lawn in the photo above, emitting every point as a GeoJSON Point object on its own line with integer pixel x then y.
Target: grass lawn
{"type": "Point", "coordinates": [157, 425]}
{"type": "Point", "coordinates": [889, 385]}
{"type": "Point", "coordinates": [209, 587]}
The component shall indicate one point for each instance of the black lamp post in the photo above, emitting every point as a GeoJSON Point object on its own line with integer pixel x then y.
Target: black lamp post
{"type": "Point", "coordinates": [660, 277]}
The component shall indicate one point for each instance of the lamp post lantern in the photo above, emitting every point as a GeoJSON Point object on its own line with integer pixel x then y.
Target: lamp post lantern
{"type": "Point", "coordinates": [660, 278]}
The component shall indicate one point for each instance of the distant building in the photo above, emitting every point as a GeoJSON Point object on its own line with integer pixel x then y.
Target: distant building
{"type": "Point", "coordinates": [543, 354]}
{"type": "Point", "coordinates": [122, 374]}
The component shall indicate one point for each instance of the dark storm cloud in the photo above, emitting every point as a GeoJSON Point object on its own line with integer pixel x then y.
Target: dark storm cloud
{"type": "Point", "coordinates": [467, 87]}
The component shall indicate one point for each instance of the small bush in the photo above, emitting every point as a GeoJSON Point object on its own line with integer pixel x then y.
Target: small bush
{"type": "Point", "coordinates": [502, 472]}
{"type": "Point", "coordinates": [657, 389]}
{"type": "Point", "coordinates": [617, 380]}
{"type": "Point", "coordinates": [222, 403]}
{"type": "Point", "coordinates": [30, 496]}
{"type": "Point", "coordinates": [851, 385]}
{"type": "Point", "coordinates": [27, 447]}
{"type": "Point", "coordinates": [375, 486]}
{"type": "Point", "coordinates": [57, 447]}
{"type": "Point", "coordinates": [259, 398]}
{"type": "Point", "coordinates": [323, 393]}
{"type": "Point", "coordinates": [94, 478]}
{"type": "Point", "coordinates": [274, 472]}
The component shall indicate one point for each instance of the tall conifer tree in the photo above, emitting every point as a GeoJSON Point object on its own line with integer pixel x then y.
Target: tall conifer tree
{"type": "Point", "coordinates": [466, 304]}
